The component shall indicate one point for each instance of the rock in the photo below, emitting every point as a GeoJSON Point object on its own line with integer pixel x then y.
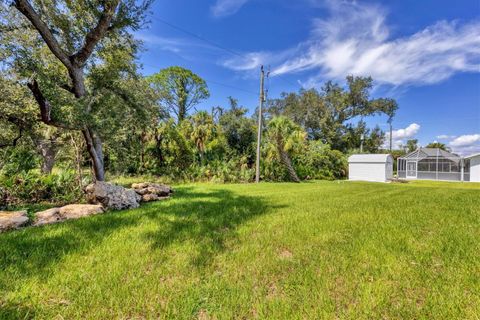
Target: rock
{"type": "Point", "coordinates": [141, 191]}
{"type": "Point", "coordinates": [47, 217]}
{"type": "Point", "coordinates": [142, 185]}
{"type": "Point", "coordinates": [155, 188]}
{"type": "Point", "coordinates": [75, 211]}
{"type": "Point", "coordinates": [12, 220]}
{"type": "Point", "coordinates": [112, 196]}
{"type": "Point", "coordinates": [71, 211]}
{"type": "Point", "coordinates": [149, 197]}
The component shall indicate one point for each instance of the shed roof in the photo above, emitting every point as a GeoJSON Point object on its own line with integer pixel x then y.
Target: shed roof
{"type": "Point", "coordinates": [370, 158]}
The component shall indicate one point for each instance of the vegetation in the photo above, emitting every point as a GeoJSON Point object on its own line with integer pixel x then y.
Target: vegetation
{"type": "Point", "coordinates": [319, 250]}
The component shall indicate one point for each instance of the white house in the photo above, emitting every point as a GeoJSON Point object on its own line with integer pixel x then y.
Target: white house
{"type": "Point", "coordinates": [370, 167]}
{"type": "Point", "coordinates": [474, 167]}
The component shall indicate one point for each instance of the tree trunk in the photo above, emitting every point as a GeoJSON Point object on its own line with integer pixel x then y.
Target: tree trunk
{"type": "Point", "coordinates": [287, 162]}
{"type": "Point", "coordinates": [48, 152]}
{"type": "Point", "coordinates": [94, 147]}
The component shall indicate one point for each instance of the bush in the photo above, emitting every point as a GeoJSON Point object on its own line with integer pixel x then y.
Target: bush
{"type": "Point", "coordinates": [31, 187]}
{"type": "Point", "coordinates": [318, 161]}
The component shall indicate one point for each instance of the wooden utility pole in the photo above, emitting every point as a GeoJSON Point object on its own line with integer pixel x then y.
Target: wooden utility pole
{"type": "Point", "coordinates": [259, 134]}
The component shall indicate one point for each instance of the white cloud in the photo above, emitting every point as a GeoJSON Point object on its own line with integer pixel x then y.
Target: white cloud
{"type": "Point", "coordinates": [355, 39]}
{"type": "Point", "coordinates": [463, 145]}
{"type": "Point", "coordinates": [407, 133]}
{"type": "Point", "coordinates": [465, 140]}
{"type": "Point", "coordinates": [400, 136]}
{"type": "Point", "coordinates": [223, 8]}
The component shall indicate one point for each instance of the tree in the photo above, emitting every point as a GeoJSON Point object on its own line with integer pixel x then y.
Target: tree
{"type": "Point", "coordinates": [179, 90]}
{"type": "Point", "coordinates": [74, 55]}
{"type": "Point", "coordinates": [285, 134]}
{"type": "Point", "coordinates": [439, 145]}
{"type": "Point", "coordinates": [239, 130]}
{"type": "Point", "coordinates": [324, 115]}
{"type": "Point", "coordinates": [412, 145]}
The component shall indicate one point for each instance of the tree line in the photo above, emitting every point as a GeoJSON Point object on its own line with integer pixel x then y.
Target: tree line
{"type": "Point", "coordinates": [73, 97]}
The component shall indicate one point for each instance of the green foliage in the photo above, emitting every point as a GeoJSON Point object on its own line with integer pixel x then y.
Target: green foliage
{"type": "Point", "coordinates": [31, 187]}
{"type": "Point", "coordinates": [21, 159]}
{"type": "Point", "coordinates": [324, 115]}
{"type": "Point", "coordinates": [412, 145]}
{"type": "Point", "coordinates": [439, 145]}
{"type": "Point", "coordinates": [179, 90]}
{"type": "Point", "coordinates": [318, 161]}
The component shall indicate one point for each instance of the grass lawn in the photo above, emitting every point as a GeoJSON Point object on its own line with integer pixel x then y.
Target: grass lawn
{"type": "Point", "coordinates": [303, 251]}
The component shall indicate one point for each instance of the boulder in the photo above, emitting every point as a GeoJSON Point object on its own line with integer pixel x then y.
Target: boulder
{"type": "Point", "coordinates": [12, 220]}
{"type": "Point", "coordinates": [149, 197]}
{"type": "Point", "coordinates": [47, 217]}
{"type": "Point", "coordinates": [153, 188]}
{"type": "Point", "coordinates": [71, 211]}
{"type": "Point", "coordinates": [75, 211]}
{"type": "Point", "coordinates": [112, 196]}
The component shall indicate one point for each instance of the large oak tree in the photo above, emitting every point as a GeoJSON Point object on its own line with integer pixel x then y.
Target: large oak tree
{"type": "Point", "coordinates": [77, 59]}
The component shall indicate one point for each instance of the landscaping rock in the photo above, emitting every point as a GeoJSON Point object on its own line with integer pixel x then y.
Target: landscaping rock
{"type": "Point", "coordinates": [112, 196]}
{"type": "Point", "coordinates": [149, 197]}
{"type": "Point", "coordinates": [71, 211]}
{"type": "Point", "coordinates": [47, 217]}
{"type": "Point", "coordinates": [75, 211]}
{"type": "Point", "coordinates": [12, 220]}
{"type": "Point", "coordinates": [152, 191]}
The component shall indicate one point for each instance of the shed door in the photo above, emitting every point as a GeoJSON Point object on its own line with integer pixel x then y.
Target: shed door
{"type": "Point", "coordinates": [411, 169]}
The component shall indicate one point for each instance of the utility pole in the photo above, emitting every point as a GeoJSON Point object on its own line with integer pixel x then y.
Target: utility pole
{"type": "Point", "coordinates": [259, 134]}
{"type": "Point", "coordinates": [390, 122]}
{"type": "Point", "coordinates": [362, 137]}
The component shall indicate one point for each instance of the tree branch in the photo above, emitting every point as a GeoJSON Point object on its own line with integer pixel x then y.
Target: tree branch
{"type": "Point", "coordinates": [45, 107]}
{"type": "Point", "coordinates": [27, 10]}
{"type": "Point", "coordinates": [96, 34]}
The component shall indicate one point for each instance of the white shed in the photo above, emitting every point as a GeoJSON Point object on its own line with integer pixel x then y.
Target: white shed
{"type": "Point", "coordinates": [370, 167]}
{"type": "Point", "coordinates": [474, 167]}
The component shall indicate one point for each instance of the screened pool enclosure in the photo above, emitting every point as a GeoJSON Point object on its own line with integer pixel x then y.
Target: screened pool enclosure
{"type": "Point", "coordinates": [433, 164]}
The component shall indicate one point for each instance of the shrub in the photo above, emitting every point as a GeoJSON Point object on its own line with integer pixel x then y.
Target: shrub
{"type": "Point", "coordinates": [32, 187]}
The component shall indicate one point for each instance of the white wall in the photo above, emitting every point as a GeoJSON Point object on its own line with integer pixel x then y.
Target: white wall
{"type": "Point", "coordinates": [475, 169]}
{"type": "Point", "coordinates": [369, 171]}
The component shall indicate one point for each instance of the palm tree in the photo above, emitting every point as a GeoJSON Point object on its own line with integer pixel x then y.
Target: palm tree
{"type": "Point", "coordinates": [285, 135]}
{"type": "Point", "coordinates": [202, 131]}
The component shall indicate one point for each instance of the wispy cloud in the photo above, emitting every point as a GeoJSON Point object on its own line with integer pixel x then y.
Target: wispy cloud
{"type": "Point", "coordinates": [355, 39]}
{"type": "Point", "coordinates": [445, 137]}
{"type": "Point", "coordinates": [223, 8]}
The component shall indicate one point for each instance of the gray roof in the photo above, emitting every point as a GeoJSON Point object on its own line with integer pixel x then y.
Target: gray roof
{"type": "Point", "coordinates": [423, 153]}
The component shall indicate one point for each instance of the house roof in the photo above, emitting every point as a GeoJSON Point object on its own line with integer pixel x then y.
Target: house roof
{"type": "Point", "coordinates": [370, 158]}
{"type": "Point", "coordinates": [423, 153]}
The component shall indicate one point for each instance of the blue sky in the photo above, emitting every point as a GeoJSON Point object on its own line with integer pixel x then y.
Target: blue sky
{"type": "Point", "coordinates": [425, 54]}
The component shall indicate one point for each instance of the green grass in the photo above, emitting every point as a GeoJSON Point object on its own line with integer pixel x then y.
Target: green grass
{"type": "Point", "coordinates": [303, 251]}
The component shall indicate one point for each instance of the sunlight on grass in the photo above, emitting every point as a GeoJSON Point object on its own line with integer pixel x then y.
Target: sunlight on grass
{"type": "Point", "coordinates": [313, 250]}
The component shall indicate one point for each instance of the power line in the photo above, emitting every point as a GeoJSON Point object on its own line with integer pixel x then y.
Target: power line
{"type": "Point", "coordinates": [171, 25]}
{"type": "Point", "coordinates": [219, 46]}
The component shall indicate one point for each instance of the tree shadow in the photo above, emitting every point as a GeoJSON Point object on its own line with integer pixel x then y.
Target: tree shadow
{"type": "Point", "coordinates": [208, 219]}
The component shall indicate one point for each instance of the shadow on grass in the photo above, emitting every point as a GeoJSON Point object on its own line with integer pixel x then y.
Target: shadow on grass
{"type": "Point", "coordinates": [209, 219]}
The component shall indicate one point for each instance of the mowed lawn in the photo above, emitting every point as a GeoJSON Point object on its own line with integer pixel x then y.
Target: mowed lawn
{"type": "Point", "coordinates": [318, 250]}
